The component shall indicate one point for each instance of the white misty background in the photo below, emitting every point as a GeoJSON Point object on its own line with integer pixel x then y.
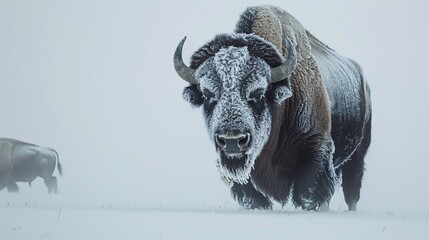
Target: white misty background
{"type": "Point", "coordinates": [95, 81]}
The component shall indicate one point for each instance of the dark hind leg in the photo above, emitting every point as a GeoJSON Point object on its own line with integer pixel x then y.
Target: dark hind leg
{"type": "Point", "coordinates": [51, 184]}
{"type": "Point", "coordinates": [352, 171]}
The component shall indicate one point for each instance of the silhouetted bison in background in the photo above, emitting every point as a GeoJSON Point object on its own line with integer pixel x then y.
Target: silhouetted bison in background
{"type": "Point", "coordinates": [23, 162]}
{"type": "Point", "coordinates": [287, 114]}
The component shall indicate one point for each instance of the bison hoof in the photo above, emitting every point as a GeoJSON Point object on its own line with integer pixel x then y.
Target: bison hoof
{"type": "Point", "coordinates": [310, 207]}
{"type": "Point", "coordinates": [249, 203]}
{"type": "Point", "coordinates": [309, 204]}
{"type": "Point", "coordinates": [12, 187]}
{"type": "Point", "coordinates": [352, 207]}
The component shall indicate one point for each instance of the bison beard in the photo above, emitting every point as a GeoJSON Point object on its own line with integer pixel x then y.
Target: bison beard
{"type": "Point", "coordinates": [276, 82]}
{"type": "Point", "coordinates": [235, 163]}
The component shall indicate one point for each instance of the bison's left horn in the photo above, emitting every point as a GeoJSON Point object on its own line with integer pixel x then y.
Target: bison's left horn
{"type": "Point", "coordinates": [283, 71]}
{"type": "Point", "coordinates": [185, 72]}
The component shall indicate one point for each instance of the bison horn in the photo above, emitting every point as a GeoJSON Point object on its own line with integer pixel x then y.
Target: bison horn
{"type": "Point", "coordinates": [283, 71]}
{"type": "Point", "coordinates": [185, 72]}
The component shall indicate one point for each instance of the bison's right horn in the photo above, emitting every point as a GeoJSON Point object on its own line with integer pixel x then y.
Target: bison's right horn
{"type": "Point", "coordinates": [283, 71]}
{"type": "Point", "coordinates": [185, 72]}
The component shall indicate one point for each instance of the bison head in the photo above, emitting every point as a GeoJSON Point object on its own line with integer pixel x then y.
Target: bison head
{"type": "Point", "coordinates": [239, 79]}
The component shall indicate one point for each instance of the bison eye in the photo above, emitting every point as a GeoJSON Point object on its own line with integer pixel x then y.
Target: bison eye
{"type": "Point", "coordinates": [208, 96]}
{"type": "Point", "coordinates": [256, 95]}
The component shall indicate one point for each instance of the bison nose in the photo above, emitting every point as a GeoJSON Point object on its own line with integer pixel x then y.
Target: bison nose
{"type": "Point", "coordinates": [233, 143]}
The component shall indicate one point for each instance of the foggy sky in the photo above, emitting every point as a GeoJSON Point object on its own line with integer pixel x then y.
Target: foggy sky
{"type": "Point", "coordinates": [95, 81]}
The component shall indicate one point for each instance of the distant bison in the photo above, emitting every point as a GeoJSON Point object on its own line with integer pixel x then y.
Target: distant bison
{"type": "Point", "coordinates": [287, 114]}
{"type": "Point", "coordinates": [23, 162]}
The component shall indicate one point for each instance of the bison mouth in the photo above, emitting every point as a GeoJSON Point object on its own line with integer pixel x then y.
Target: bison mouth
{"type": "Point", "coordinates": [233, 161]}
{"type": "Point", "coordinates": [234, 166]}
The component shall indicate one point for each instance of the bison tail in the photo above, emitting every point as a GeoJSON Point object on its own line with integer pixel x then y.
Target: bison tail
{"type": "Point", "coordinates": [60, 168]}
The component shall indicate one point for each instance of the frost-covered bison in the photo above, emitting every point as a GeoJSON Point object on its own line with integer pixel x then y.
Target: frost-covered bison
{"type": "Point", "coordinates": [288, 115]}
{"type": "Point", "coordinates": [23, 162]}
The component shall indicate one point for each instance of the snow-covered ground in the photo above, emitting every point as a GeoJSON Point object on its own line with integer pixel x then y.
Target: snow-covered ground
{"type": "Point", "coordinates": [52, 219]}
{"type": "Point", "coordinates": [95, 81]}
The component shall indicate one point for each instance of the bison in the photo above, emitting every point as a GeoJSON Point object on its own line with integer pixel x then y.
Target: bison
{"type": "Point", "coordinates": [289, 116]}
{"type": "Point", "coordinates": [23, 162]}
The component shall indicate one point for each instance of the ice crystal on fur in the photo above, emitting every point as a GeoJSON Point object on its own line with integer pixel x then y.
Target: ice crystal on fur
{"type": "Point", "coordinates": [231, 75]}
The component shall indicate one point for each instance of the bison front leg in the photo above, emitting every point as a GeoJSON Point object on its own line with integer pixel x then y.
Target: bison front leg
{"type": "Point", "coordinates": [315, 178]}
{"type": "Point", "coordinates": [250, 198]}
{"type": "Point", "coordinates": [12, 187]}
{"type": "Point", "coordinates": [6, 181]}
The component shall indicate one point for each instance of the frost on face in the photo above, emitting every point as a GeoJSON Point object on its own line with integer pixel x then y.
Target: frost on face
{"type": "Point", "coordinates": [227, 80]}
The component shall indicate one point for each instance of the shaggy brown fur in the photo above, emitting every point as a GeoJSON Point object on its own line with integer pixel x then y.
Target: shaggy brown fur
{"type": "Point", "coordinates": [309, 105]}
{"type": "Point", "coordinates": [326, 123]}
